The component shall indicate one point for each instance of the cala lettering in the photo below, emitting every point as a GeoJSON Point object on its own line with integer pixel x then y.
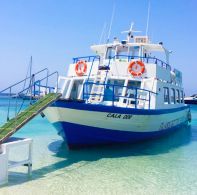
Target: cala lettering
{"type": "Point", "coordinates": [119, 116]}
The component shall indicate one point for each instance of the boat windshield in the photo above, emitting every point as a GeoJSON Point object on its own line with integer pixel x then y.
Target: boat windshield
{"type": "Point", "coordinates": [110, 53]}
{"type": "Point", "coordinates": [122, 51]}
{"type": "Point", "coordinates": [127, 51]}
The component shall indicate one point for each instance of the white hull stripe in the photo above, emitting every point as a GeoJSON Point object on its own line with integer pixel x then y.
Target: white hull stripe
{"type": "Point", "coordinates": [116, 121]}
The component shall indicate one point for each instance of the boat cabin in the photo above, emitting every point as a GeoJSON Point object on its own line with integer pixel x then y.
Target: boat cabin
{"type": "Point", "coordinates": [125, 74]}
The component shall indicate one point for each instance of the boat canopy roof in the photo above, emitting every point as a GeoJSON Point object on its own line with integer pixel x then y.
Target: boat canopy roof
{"type": "Point", "coordinates": [147, 46]}
{"type": "Point", "coordinates": [137, 43]}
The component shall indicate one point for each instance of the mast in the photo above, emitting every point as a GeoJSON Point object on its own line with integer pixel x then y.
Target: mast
{"type": "Point", "coordinates": [148, 17]}
{"type": "Point", "coordinates": [112, 18]}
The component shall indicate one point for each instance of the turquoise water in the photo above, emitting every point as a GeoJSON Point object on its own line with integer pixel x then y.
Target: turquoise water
{"type": "Point", "coordinates": [163, 166]}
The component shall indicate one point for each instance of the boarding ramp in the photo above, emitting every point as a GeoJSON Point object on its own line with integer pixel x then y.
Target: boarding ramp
{"type": "Point", "coordinates": [25, 104]}
{"type": "Point", "coordinates": [13, 125]}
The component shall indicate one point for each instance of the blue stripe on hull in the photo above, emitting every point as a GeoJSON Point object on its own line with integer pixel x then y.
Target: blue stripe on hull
{"type": "Point", "coordinates": [80, 136]}
{"type": "Point", "coordinates": [114, 109]}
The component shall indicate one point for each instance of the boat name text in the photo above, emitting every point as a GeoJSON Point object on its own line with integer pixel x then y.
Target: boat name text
{"type": "Point", "coordinates": [119, 116]}
{"type": "Point", "coordinates": [172, 123]}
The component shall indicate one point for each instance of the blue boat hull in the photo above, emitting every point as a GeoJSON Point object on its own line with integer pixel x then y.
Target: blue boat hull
{"type": "Point", "coordinates": [83, 125]}
{"type": "Point", "coordinates": [78, 136]}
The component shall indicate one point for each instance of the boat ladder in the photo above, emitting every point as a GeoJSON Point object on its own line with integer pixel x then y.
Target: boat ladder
{"type": "Point", "coordinates": [97, 91]}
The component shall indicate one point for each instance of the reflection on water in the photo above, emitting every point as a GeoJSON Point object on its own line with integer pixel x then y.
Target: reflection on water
{"type": "Point", "coordinates": [164, 144]}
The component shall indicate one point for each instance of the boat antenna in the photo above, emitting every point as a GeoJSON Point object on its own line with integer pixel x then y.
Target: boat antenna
{"type": "Point", "coordinates": [31, 76]}
{"type": "Point", "coordinates": [112, 18]}
{"type": "Point", "coordinates": [102, 33]}
{"type": "Point", "coordinates": [148, 17]}
{"type": "Point", "coordinates": [30, 68]}
{"type": "Point", "coordinates": [130, 32]}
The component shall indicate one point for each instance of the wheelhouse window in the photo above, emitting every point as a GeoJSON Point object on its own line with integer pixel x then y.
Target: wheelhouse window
{"type": "Point", "coordinates": [177, 96]}
{"type": "Point", "coordinates": [172, 97]}
{"type": "Point", "coordinates": [182, 97]}
{"type": "Point", "coordinates": [110, 53]}
{"type": "Point", "coordinates": [166, 95]}
{"type": "Point", "coordinates": [123, 52]}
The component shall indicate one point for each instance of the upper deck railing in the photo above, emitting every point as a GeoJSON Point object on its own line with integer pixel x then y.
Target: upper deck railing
{"type": "Point", "coordinates": [86, 58]}
{"type": "Point", "coordinates": [147, 59]}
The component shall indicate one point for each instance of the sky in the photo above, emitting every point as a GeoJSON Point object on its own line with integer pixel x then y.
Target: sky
{"type": "Point", "coordinates": [55, 31]}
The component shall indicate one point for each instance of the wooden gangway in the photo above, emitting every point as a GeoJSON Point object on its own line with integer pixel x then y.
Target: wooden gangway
{"type": "Point", "coordinates": [14, 124]}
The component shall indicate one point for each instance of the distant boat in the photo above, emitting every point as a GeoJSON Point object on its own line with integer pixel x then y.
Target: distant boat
{"type": "Point", "coordinates": [35, 95]}
{"type": "Point", "coordinates": [191, 99]}
{"type": "Point", "coordinates": [5, 95]}
{"type": "Point", "coordinates": [28, 96]}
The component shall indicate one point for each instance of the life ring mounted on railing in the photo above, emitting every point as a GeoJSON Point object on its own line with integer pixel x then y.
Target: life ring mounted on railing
{"type": "Point", "coordinates": [80, 68]}
{"type": "Point", "coordinates": [136, 68]}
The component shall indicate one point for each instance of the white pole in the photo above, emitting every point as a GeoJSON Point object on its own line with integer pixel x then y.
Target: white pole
{"type": "Point", "coordinates": [147, 23]}
{"type": "Point", "coordinates": [102, 33]}
{"type": "Point", "coordinates": [112, 18]}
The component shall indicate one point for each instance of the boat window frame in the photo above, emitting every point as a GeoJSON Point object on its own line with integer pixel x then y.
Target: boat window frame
{"type": "Point", "coordinates": [182, 97]}
{"type": "Point", "coordinates": [123, 51]}
{"type": "Point", "coordinates": [118, 86]}
{"type": "Point", "coordinates": [178, 99]}
{"type": "Point", "coordinates": [172, 96]}
{"type": "Point", "coordinates": [110, 53]}
{"type": "Point", "coordinates": [166, 96]}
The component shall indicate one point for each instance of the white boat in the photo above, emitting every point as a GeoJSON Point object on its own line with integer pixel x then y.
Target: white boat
{"type": "Point", "coordinates": [191, 99]}
{"type": "Point", "coordinates": [122, 94]}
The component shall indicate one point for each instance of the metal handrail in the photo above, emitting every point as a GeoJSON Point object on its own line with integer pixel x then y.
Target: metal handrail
{"type": "Point", "coordinates": [38, 81]}
{"type": "Point", "coordinates": [45, 69]}
{"type": "Point", "coordinates": [95, 57]}
{"type": "Point", "coordinates": [146, 58]}
{"type": "Point", "coordinates": [129, 58]}
{"type": "Point", "coordinates": [86, 95]}
{"type": "Point", "coordinates": [84, 57]}
{"type": "Point", "coordinates": [115, 85]}
{"type": "Point", "coordinates": [33, 85]}
{"type": "Point", "coordinates": [47, 87]}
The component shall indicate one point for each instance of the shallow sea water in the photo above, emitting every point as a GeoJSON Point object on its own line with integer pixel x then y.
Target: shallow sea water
{"type": "Point", "coordinates": [167, 165]}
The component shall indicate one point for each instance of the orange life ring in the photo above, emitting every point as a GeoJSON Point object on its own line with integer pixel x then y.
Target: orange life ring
{"type": "Point", "coordinates": [136, 68]}
{"type": "Point", "coordinates": [80, 68]}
